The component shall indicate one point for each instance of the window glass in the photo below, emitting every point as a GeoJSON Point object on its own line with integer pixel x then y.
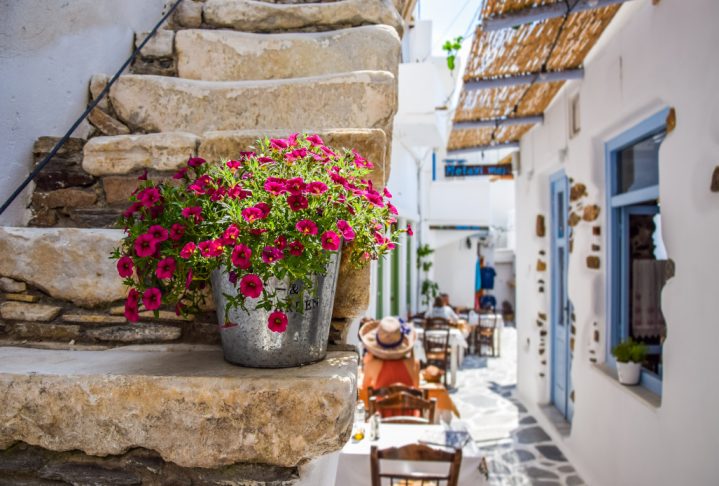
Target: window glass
{"type": "Point", "coordinates": [637, 166]}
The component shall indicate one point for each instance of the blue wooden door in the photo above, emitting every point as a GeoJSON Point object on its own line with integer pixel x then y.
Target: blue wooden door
{"type": "Point", "coordinates": [560, 308]}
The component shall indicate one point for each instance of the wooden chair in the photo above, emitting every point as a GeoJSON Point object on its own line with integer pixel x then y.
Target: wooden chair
{"type": "Point", "coordinates": [420, 453]}
{"type": "Point", "coordinates": [485, 334]}
{"type": "Point", "coordinates": [436, 344]}
{"type": "Point", "coordinates": [395, 388]}
{"type": "Point", "coordinates": [403, 404]}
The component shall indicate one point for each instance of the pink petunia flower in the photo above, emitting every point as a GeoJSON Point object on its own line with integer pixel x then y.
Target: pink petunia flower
{"type": "Point", "coordinates": [279, 144]}
{"type": "Point", "coordinates": [196, 161]}
{"type": "Point", "coordinates": [143, 176]}
{"type": "Point", "coordinates": [241, 255]}
{"type": "Point", "coordinates": [316, 188]}
{"type": "Point", "coordinates": [292, 139]}
{"type": "Point", "coordinates": [152, 298]}
{"type": "Point", "coordinates": [296, 248]}
{"type": "Point", "coordinates": [194, 212]}
{"type": "Point", "coordinates": [125, 266]}
{"type": "Point", "coordinates": [145, 245]}
{"type": "Point", "coordinates": [330, 241]}
{"type": "Point", "coordinates": [275, 186]}
{"type": "Point", "coordinates": [166, 268]}
{"type": "Point", "coordinates": [230, 234]}
{"type": "Point", "coordinates": [177, 231]}
{"type": "Point", "coordinates": [134, 207]}
{"type": "Point", "coordinates": [296, 185]}
{"type": "Point", "coordinates": [386, 193]}
{"type": "Point", "coordinates": [149, 196]}
{"type": "Point", "coordinates": [211, 248]}
{"type": "Point", "coordinates": [180, 174]}
{"type": "Point", "coordinates": [347, 232]}
{"type": "Point", "coordinates": [238, 192]}
{"type": "Point", "coordinates": [315, 140]}
{"type": "Point", "coordinates": [233, 164]}
{"type": "Point", "coordinates": [251, 286]}
{"type": "Point", "coordinates": [251, 214]}
{"type": "Point", "coordinates": [158, 232]}
{"type": "Point", "coordinates": [296, 154]}
{"type": "Point", "coordinates": [306, 227]}
{"type": "Point", "coordinates": [392, 209]}
{"type": "Point", "coordinates": [409, 230]}
{"type": "Point", "coordinates": [131, 306]}
{"type": "Point", "coordinates": [187, 250]}
{"type": "Point", "coordinates": [232, 277]}
{"type": "Point", "coordinates": [264, 209]}
{"type": "Point", "coordinates": [374, 197]}
{"type": "Point", "coordinates": [270, 254]}
{"type": "Point", "coordinates": [281, 242]}
{"type": "Point", "coordinates": [297, 202]}
{"type": "Point", "coordinates": [277, 322]}
{"type": "Point", "coordinates": [265, 160]}
{"type": "Point", "coordinates": [188, 279]}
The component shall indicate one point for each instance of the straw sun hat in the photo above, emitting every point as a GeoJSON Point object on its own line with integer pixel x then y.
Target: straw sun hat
{"type": "Point", "coordinates": [388, 338]}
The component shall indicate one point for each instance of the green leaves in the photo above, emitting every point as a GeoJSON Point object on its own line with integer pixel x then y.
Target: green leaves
{"type": "Point", "coordinates": [452, 47]}
{"type": "Point", "coordinates": [630, 350]}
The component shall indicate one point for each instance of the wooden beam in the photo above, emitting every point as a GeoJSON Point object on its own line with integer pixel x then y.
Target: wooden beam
{"type": "Point", "coordinates": [547, 77]}
{"type": "Point", "coordinates": [544, 12]}
{"type": "Point", "coordinates": [497, 122]}
{"type": "Point", "coordinates": [481, 148]}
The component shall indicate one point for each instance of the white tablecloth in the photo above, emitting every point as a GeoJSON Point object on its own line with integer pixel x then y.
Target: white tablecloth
{"type": "Point", "coordinates": [457, 342]}
{"type": "Point", "coordinates": [354, 463]}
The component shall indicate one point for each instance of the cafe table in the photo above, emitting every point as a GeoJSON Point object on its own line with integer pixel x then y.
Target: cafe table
{"type": "Point", "coordinates": [457, 343]}
{"type": "Point", "coordinates": [353, 467]}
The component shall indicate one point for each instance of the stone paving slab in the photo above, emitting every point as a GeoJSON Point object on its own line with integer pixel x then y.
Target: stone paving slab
{"type": "Point", "coordinates": [167, 398]}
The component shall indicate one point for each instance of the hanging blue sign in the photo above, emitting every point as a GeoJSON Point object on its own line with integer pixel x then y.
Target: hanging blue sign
{"type": "Point", "coordinates": [477, 170]}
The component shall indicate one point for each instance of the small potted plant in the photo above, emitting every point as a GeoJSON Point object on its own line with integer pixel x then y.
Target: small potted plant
{"type": "Point", "coordinates": [629, 355]}
{"type": "Point", "coordinates": [266, 231]}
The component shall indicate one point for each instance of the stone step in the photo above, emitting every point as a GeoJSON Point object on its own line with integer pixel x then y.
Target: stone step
{"type": "Point", "coordinates": [162, 398]}
{"type": "Point", "coordinates": [366, 99]}
{"type": "Point", "coordinates": [164, 152]}
{"type": "Point", "coordinates": [259, 16]}
{"type": "Point", "coordinates": [225, 55]}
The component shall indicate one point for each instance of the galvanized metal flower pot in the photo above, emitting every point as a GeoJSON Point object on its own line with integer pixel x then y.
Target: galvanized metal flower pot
{"type": "Point", "coordinates": [250, 343]}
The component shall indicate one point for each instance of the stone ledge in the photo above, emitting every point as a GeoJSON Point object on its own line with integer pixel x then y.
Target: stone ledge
{"type": "Point", "coordinates": [185, 403]}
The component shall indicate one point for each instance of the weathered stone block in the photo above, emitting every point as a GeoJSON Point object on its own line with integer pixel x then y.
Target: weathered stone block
{"type": "Point", "coordinates": [353, 286]}
{"type": "Point", "coordinates": [591, 213]}
{"type": "Point", "coordinates": [66, 263]}
{"type": "Point", "coordinates": [10, 285]}
{"type": "Point", "coordinates": [188, 14]}
{"type": "Point", "coordinates": [540, 228]}
{"type": "Point", "coordinates": [79, 473]}
{"type": "Point", "coordinates": [160, 45]}
{"type": "Point", "coordinates": [55, 175]}
{"type": "Point", "coordinates": [135, 333]}
{"type": "Point", "coordinates": [97, 84]}
{"type": "Point", "coordinates": [21, 297]}
{"type": "Point", "coordinates": [107, 402]}
{"type": "Point", "coordinates": [20, 311]}
{"type": "Point", "coordinates": [64, 198]}
{"type": "Point", "coordinates": [162, 315]}
{"type": "Point", "coordinates": [95, 217]}
{"type": "Point", "coordinates": [93, 318]}
{"type": "Point", "coordinates": [107, 124]}
{"type": "Point", "coordinates": [124, 154]}
{"type": "Point", "coordinates": [70, 152]}
{"type": "Point", "coordinates": [347, 100]}
{"type": "Point", "coordinates": [222, 55]}
{"type": "Point", "coordinates": [52, 332]}
{"type": "Point", "coordinates": [252, 16]}
{"type": "Point", "coordinates": [593, 262]}
{"type": "Point", "coordinates": [371, 143]}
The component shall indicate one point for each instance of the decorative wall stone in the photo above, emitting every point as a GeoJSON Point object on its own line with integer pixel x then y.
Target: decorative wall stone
{"type": "Point", "coordinates": [671, 120]}
{"type": "Point", "coordinates": [593, 262]}
{"type": "Point", "coordinates": [66, 263]}
{"type": "Point", "coordinates": [95, 217]}
{"type": "Point", "coordinates": [715, 180]}
{"type": "Point", "coordinates": [135, 333]}
{"type": "Point", "coordinates": [591, 212]}
{"type": "Point", "coordinates": [63, 170]}
{"type": "Point", "coordinates": [10, 285]}
{"type": "Point", "coordinates": [65, 198]}
{"type": "Point", "coordinates": [188, 14]}
{"type": "Point", "coordinates": [124, 154]}
{"type": "Point", "coordinates": [160, 45]}
{"type": "Point", "coordinates": [339, 329]}
{"type": "Point", "coordinates": [577, 192]}
{"type": "Point", "coordinates": [20, 311]}
{"type": "Point", "coordinates": [93, 318]}
{"type": "Point", "coordinates": [541, 266]}
{"type": "Point", "coordinates": [574, 219]}
{"type": "Point", "coordinates": [97, 84]}
{"type": "Point", "coordinates": [53, 332]}
{"type": "Point", "coordinates": [106, 123]}
{"type": "Point", "coordinates": [21, 297]}
{"type": "Point", "coordinates": [540, 228]}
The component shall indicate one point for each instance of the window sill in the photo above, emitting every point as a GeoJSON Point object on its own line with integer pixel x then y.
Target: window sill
{"type": "Point", "coordinates": [645, 396]}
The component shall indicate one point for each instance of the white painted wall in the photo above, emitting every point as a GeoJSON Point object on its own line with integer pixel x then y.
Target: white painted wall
{"type": "Point", "coordinates": [48, 51]}
{"type": "Point", "coordinates": [650, 57]}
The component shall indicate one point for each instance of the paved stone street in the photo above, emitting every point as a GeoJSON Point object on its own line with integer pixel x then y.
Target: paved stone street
{"type": "Point", "coordinates": [518, 450]}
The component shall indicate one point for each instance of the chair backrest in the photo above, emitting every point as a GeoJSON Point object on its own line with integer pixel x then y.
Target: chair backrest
{"type": "Point", "coordinates": [436, 323]}
{"type": "Point", "coordinates": [420, 453]}
{"type": "Point", "coordinates": [436, 340]}
{"type": "Point", "coordinates": [397, 387]}
{"type": "Point", "coordinates": [403, 403]}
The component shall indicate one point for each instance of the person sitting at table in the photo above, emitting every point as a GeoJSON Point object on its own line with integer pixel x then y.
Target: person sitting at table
{"type": "Point", "coordinates": [440, 309]}
{"type": "Point", "coordinates": [389, 357]}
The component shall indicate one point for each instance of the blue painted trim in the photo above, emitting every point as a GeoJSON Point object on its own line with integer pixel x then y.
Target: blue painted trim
{"type": "Point", "coordinates": [434, 165]}
{"type": "Point", "coordinates": [617, 218]}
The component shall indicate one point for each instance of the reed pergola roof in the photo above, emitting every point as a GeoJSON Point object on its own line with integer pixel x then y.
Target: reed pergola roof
{"type": "Point", "coordinates": [516, 71]}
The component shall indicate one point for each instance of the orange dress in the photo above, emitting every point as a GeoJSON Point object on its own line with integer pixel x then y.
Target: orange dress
{"type": "Point", "coordinates": [379, 373]}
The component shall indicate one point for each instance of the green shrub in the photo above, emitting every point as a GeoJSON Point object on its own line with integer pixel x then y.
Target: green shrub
{"type": "Point", "coordinates": [629, 350]}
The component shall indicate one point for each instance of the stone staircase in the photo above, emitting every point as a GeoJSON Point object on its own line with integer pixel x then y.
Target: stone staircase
{"type": "Point", "coordinates": [198, 88]}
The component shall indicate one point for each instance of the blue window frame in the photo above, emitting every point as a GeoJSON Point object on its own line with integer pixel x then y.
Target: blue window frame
{"type": "Point", "coordinates": [632, 181]}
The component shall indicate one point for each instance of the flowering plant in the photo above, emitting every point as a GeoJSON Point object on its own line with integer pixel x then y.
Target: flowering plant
{"type": "Point", "coordinates": [279, 212]}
